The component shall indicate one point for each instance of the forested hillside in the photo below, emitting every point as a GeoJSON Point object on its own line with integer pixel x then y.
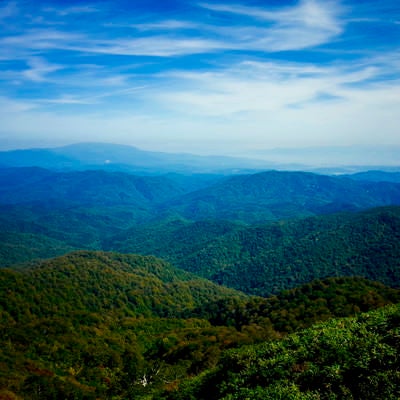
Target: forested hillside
{"type": "Point", "coordinates": [84, 188]}
{"type": "Point", "coordinates": [95, 281]}
{"type": "Point", "coordinates": [355, 358]}
{"type": "Point", "coordinates": [105, 325]}
{"type": "Point", "coordinates": [275, 195]}
{"type": "Point", "coordinates": [265, 259]}
{"type": "Point", "coordinates": [181, 218]}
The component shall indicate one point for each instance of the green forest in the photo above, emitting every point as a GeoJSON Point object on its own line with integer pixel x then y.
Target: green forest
{"type": "Point", "coordinates": [105, 325]}
{"type": "Point", "coordinates": [272, 285]}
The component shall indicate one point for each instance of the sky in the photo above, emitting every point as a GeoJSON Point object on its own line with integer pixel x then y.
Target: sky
{"type": "Point", "coordinates": [204, 77]}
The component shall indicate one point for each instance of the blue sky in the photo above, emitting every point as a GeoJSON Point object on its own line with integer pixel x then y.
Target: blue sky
{"type": "Point", "coordinates": [203, 77]}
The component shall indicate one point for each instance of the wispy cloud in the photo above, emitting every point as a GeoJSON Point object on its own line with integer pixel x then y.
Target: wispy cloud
{"type": "Point", "coordinates": [92, 98]}
{"type": "Point", "coordinates": [261, 87]}
{"type": "Point", "coordinates": [307, 12]}
{"type": "Point", "coordinates": [158, 46]}
{"type": "Point", "coordinates": [307, 24]}
{"type": "Point", "coordinates": [170, 24]}
{"type": "Point", "coordinates": [155, 45]}
{"type": "Point", "coordinates": [39, 69]}
{"type": "Point", "coordinates": [34, 42]}
{"type": "Point", "coordinates": [66, 11]}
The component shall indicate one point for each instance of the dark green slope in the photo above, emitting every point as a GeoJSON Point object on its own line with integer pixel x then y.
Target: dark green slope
{"type": "Point", "coordinates": [171, 239]}
{"type": "Point", "coordinates": [257, 260]}
{"type": "Point", "coordinates": [90, 325]}
{"type": "Point", "coordinates": [302, 306]}
{"type": "Point", "coordinates": [354, 358]}
{"type": "Point", "coordinates": [18, 248]}
{"type": "Point", "coordinates": [276, 195]}
{"type": "Point", "coordinates": [76, 227]}
{"type": "Point", "coordinates": [97, 281]}
{"type": "Point", "coordinates": [271, 258]}
{"type": "Point", "coordinates": [268, 258]}
{"type": "Point", "coordinates": [78, 210]}
{"type": "Point", "coordinates": [93, 325]}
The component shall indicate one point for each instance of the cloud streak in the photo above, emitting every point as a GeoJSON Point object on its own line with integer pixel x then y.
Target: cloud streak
{"type": "Point", "coordinates": [67, 11]}
{"type": "Point", "coordinates": [39, 69]}
{"type": "Point", "coordinates": [306, 25]}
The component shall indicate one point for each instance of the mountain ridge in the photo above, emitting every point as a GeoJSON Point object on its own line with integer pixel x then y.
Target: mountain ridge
{"type": "Point", "coordinates": [266, 258]}
{"type": "Point", "coordinates": [114, 157]}
{"type": "Point", "coordinates": [282, 194]}
{"type": "Point", "coordinates": [118, 157]}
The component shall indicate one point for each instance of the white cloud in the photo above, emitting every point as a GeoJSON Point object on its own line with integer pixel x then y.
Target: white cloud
{"type": "Point", "coordinates": [160, 46]}
{"type": "Point", "coordinates": [257, 87]}
{"type": "Point", "coordinates": [34, 43]}
{"type": "Point", "coordinates": [39, 69]}
{"type": "Point", "coordinates": [307, 24]}
{"type": "Point", "coordinates": [84, 9]}
{"type": "Point", "coordinates": [165, 25]}
{"type": "Point", "coordinates": [313, 13]}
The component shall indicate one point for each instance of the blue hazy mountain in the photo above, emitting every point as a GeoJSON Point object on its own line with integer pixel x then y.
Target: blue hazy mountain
{"type": "Point", "coordinates": [376, 176]}
{"type": "Point", "coordinates": [329, 158]}
{"type": "Point", "coordinates": [114, 157]}
{"type": "Point", "coordinates": [274, 195]}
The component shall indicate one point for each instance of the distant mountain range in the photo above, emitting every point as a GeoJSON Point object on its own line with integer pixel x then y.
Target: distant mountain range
{"type": "Point", "coordinates": [375, 176]}
{"type": "Point", "coordinates": [114, 157]}
{"type": "Point", "coordinates": [351, 158]}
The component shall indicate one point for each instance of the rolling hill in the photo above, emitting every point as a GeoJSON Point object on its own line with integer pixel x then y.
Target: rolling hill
{"type": "Point", "coordinates": [98, 325]}
{"type": "Point", "coordinates": [129, 213]}
{"type": "Point", "coordinates": [376, 176]}
{"type": "Point", "coordinates": [267, 258]}
{"type": "Point", "coordinates": [101, 210]}
{"type": "Point", "coordinates": [354, 358]}
{"type": "Point", "coordinates": [274, 195]}
{"type": "Point", "coordinates": [130, 285]}
{"type": "Point", "coordinates": [95, 188]}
